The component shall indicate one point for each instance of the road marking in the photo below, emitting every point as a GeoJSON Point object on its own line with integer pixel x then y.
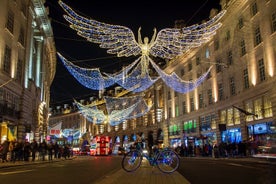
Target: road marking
{"type": "Point", "coordinates": [15, 172]}
{"type": "Point", "coordinates": [240, 165]}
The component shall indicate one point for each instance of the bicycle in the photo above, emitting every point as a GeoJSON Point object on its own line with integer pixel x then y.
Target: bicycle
{"type": "Point", "coordinates": [165, 159]}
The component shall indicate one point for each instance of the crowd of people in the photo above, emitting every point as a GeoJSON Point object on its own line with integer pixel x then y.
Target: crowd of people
{"type": "Point", "coordinates": [241, 149]}
{"type": "Point", "coordinates": [30, 151]}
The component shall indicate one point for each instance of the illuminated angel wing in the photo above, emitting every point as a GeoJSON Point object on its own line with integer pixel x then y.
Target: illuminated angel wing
{"type": "Point", "coordinates": [171, 42]}
{"type": "Point", "coordinates": [117, 39]}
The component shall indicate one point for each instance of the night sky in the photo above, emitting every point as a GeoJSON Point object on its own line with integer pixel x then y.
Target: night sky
{"type": "Point", "coordinates": [133, 14]}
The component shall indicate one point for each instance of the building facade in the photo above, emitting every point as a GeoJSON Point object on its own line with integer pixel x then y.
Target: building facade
{"type": "Point", "coordinates": [27, 69]}
{"type": "Point", "coordinates": [237, 100]}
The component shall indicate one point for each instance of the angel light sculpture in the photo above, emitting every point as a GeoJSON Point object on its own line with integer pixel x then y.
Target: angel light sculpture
{"type": "Point", "coordinates": [168, 43]}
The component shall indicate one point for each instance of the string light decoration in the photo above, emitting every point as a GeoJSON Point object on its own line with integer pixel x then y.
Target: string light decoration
{"type": "Point", "coordinates": [176, 83]}
{"type": "Point", "coordinates": [135, 80]}
{"type": "Point", "coordinates": [92, 78]}
{"type": "Point", "coordinates": [118, 110]}
{"type": "Point", "coordinates": [120, 40]}
{"type": "Point", "coordinates": [168, 43]}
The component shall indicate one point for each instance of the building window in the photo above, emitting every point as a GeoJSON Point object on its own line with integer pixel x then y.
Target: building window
{"type": "Point", "coordinates": [19, 70]}
{"type": "Point", "coordinates": [190, 66]}
{"type": "Point", "coordinates": [232, 86]}
{"type": "Point", "coordinates": [176, 111]}
{"type": "Point", "coordinates": [249, 108]}
{"type": "Point", "coordinates": [267, 107]}
{"type": "Point", "coordinates": [237, 119]}
{"type": "Point", "coordinates": [243, 48]}
{"type": "Point", "coordinates": [240, 22]}
{"type": "Point", "coordinates": [7, 60]}
{"type": "Point", "coordinates": [192, 104]}
{"type": "Point", "coordinates": [245, 79]}
{"type": "Point", "coordinates": [218, 65]}
{"type": "Point", "coordinates": [184, 111]}
{"type": "Point", "coordinates": [182, 71]}
{"type": "Point", "coordinates": [230, 119]}
{"type": "Point", "coordinates": [21, 38]}
{"type": "Point", "coordinates": [210, 96]}
{"type": "Point", "coordinates": [254, 9]}
{"type": "Point", "coordinates": [24, 9]}
{"type": "Point", "coordinates": [261, 69]}
{"type": "Point", "coordinates": [258, 108]}
{"type": "Point", "coordinates": [216, 44]}
{"type": "Point", "coordinates": [200, 98]}
{"type": "Point", "coordinates": [207, 53]}
{"type": "Point", "coordinates": [258, 38]}
{"type": "Point", "coordinates": [273, 22]}
{"type": "Point", "coordinates": [220, 91]}
{"type": "Point", "coordinates": [229, 58]}
{"type": "Point", "coordinates": [169, 95]}
{"type": "Point", "coordinates": [227, 37]}
{"type": "Point", "coordinates": [170, 112]}
{"type": "Point", "coordinates": [223, 117]}
{"type": "Point", "coordinates": [10, 21]}
{"type": "Point", "coordinates": [197, 60]}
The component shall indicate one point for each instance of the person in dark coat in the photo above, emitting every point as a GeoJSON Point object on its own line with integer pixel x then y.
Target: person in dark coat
{"type": "Point", "coordinates": [5, 150]}
{"type": "Point", "coordinates": [34, 149]}
{"type": "Point", "coordinates": [150, 142]}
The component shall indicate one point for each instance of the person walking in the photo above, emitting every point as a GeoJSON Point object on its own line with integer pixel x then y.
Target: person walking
{"type": "Point", "coordinates": [150, 142]}
{"type": "Point", "coordinates": [5, 150]}
{"type": "Point", "coordinates": [34, 148]}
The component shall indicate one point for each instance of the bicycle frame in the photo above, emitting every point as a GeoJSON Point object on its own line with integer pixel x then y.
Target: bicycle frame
{"type": "Point", "coordinates": [151, 159]}
{"type": "Point", "coordinates": [165, 159]}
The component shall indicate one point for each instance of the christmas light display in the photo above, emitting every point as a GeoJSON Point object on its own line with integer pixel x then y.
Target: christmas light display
{"type": "Point", "coordinates": [118, 110]}
{"type": "Point", "coordinates": [92, 78]}
{"type": "Point", "coordinates": [167, 44]}
{"type": "Point", "coordinates": [120, 40]}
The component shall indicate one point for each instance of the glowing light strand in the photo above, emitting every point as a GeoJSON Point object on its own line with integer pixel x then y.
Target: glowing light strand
{"type": "Point", "coordinates": [92, 77]}
{"type": "Point", "coordinates": [118, 110]}
{"type": "Point", "coordinates": [120, 40]}
{"type": "Point", "coordinates": [176, 83]}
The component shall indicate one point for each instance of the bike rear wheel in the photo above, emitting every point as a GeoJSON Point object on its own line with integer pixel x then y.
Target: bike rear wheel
{"type": "Point", "coordinates": [168, 161]}
{"type": "Point", "coordinates": [131, 161]}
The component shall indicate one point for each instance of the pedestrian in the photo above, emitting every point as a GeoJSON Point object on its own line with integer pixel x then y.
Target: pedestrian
{"type": "Point", "coordinates": [42, 149]}
{"type": "Point", "coordinates": [50, 148]}
{"type": "Point", "coordinates": [150, 142]}
{"type": "Point", "coordinates": [139, 141]}
{"type": "Point", "coordinates": [26, 150]}
{"type": "Point", "coordinates": [5, 150]}
{"type": "Point", "coordinates": [56, 150]}
{"type": "Point", "coordinates": [34, 148]}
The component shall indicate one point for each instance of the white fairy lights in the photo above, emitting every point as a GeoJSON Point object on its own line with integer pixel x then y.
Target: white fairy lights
{"type": "Point", "coordinates": [167, 44]}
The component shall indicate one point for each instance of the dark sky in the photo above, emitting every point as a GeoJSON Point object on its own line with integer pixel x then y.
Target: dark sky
{"type": "Point", "coordinates": [133, 14]}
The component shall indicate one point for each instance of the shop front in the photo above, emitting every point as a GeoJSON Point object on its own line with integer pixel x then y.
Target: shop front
{"type": "Point", "coordinates": [232, 135]}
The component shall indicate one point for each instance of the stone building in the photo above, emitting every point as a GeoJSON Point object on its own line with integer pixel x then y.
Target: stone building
{"type": "Point", "coordinates": [27, 69]}
{"type": "Point", "coordinates": [237, 101]}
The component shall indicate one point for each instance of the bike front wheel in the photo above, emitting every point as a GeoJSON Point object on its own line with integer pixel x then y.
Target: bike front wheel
{"type": "Point", "coordinates": [131, 161]}
{"type": "Point", "coordinates": [167, 161]}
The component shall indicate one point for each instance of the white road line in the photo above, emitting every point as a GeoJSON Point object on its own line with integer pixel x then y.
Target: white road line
{"type": "Point", "coordinates": [239, 165]}
{"type": "Point", "coordinates": [15, 172]}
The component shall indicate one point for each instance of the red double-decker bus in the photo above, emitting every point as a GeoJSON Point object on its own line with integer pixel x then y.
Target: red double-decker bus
{"type": "Point", "coordinates": [101, 145]}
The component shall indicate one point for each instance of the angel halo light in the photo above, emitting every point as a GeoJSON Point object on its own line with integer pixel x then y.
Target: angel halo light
{"type": "Point", "coordinates": [120, 40]}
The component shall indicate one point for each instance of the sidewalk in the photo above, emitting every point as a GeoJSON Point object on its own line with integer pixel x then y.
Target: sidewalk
{"type": "Point", "coordinates": [146, 174]}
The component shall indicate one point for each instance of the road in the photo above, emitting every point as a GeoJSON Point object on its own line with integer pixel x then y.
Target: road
{"type": "Point", "coordinates": [227, 171]}
{"type": "Point", "coordinates": [90, 170]}
{"type": "Point", "coordinates": [84, 169]}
